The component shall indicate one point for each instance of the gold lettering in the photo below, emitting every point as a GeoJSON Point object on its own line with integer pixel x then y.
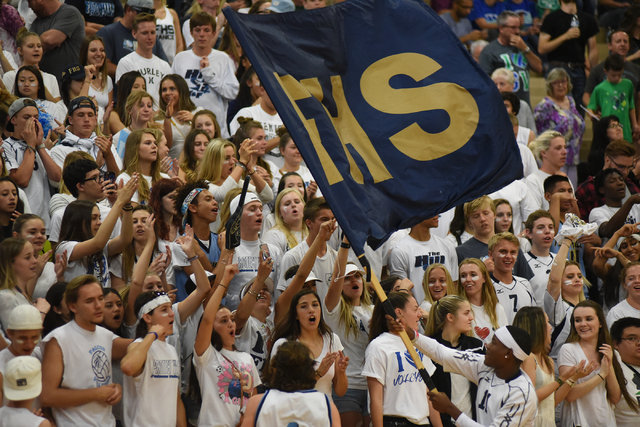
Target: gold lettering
{"type": "Point", "coordinates": [450, 97]}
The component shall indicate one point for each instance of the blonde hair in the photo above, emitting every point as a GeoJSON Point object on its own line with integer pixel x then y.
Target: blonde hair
{"type": "Point", "coordinates": [497, 238]}
{"type": "Point", "coordinates": [210, 167]}
{"type": "Point", "coordinates": [489, 297]}
{"type": "Point", "coordinates": [134, 98]}
{"type": "Point", "coordinates": [131, 161]}
{"type": "Point", "coordinates": [474, 205]}
{"type": "Point", "coordinates": [438, 313]}
{"type": "Point", "coordinates": [451, 289]}
{"type": "Point", "coordinates": [543, 142]}
{"type": "Point", "coordinates": [504, 73]}
{"type": "Point", "coordinates": [555, 75]}
{"type": "Point", "coordinates": [346, 317]}
{"type": "Point", "coordinates": [280, 225]}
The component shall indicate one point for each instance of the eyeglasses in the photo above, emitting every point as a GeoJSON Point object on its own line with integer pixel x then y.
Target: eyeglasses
{"type": "Point", "coordinates": [96, 178]}
{"type": "Point", "coordinates": [632, 339]}
{"type": "Point", "coordinates": [560, 83]}
{"type": "Point", "coordinates": [621, 167]}
{"type": "Point", "coordinates": [614, 125]}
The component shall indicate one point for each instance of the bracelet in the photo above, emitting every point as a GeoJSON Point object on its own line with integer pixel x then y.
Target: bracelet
{"type": "Point", "coordinates": [127, 208]}
{"type": "Point", "coordinates": [560, 382]}
{"type": "Point", "coordinates": [224, 286]}
{"type": "Point", "coordinates": [345, 245]}
{"type": "Point", "coordinates": [601, 377]}
{"type": "Point", "coordinates": [193, 258]}
{"type": "Point", "coordinates": [88, 81]}
{"type": "Point", "coordinates": [570, 382]}
{"type": "Point", "coordinates": [149, 333]}
{"type": "Point", "coordinates": [251, 173]}
{"type": "Point", "coordinates": [41, 146]}
{"type": "Point", "coordinates": [242, 165]}
{"type": "Point", "coordinates": [224, 261]}
{"type": "Point", "coordinates": [318, 376]}
{"type": "Point", "coordinates": [254, 293]}
{"type": "Point", "coordinates": [31, 148]}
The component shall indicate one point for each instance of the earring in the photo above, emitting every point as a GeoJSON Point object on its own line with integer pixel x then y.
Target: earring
{"type": "Point", "coordinates": [506, 356]}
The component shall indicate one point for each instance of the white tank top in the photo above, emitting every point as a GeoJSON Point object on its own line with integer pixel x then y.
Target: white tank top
{"type": "Point", "coordinates": [87, 359]}
{"type": "Point", "coordinates": [166, 33]}
{"type": "Point", "coordinates": [19, 417]}
{"type": "Point", "coordinates": [301, 408]}
{"type": "Point", "coordinates": [158, 382]}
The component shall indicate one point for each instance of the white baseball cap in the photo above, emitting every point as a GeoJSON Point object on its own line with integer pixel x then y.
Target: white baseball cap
{"type": "Point", "coordinates": [250, 197]}
{"type": "Point", "coordinates": [352, 269]}
{"type": "Point", "coordinates": [22, 378]}
{"type": "Point", "coordinates": [25, 317]}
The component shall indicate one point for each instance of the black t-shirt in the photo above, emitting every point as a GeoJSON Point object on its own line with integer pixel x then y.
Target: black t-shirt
{"type": "Point", "coordinates": [557, 23]}
{"type": "Point", "coordinates": [99, 11]}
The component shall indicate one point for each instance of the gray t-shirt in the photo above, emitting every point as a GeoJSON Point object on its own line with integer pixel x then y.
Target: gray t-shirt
{"type": "Point", "coordinates": [631, 71]}
{"type": "Point", "coordinates": [68, 20]}
{"type": "Point", "coordinates": [496, 56]}
{"type": "Point", "coordinates": [461, 28]}
{"type": "Point", "coordinates": [474, 248]}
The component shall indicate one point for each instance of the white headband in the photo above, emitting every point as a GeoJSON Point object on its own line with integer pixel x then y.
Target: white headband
{"type": "Point", "coordinates": [153, 304]}
{"type": "Point", "coordinates": [506, 338]}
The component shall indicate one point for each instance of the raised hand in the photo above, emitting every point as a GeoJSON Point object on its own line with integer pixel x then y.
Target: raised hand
{"type": "Point", "coordinates": [327, 229]}
{"type": "Point", "coordinates": [61, 265]}
{"type": "Point", "coordinates": [328, 360]}
{"type": "Point", "coordinates": [128, 190]}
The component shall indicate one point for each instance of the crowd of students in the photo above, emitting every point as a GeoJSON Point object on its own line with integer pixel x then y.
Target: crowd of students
{"type": "Point", "coordinates": [124, 154]}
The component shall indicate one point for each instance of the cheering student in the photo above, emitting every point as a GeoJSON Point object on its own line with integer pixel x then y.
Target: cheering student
{"type": "Point", "coordinates": [291, 398]}
{"type": "Point", "coordinates": [437, 284]}
{"type": "Point", "coordinates": [450, 322]}
{"type": "Point", "coordinates": [22, 385]}
{"type": "Point", "coordinates": [540, 229]}
{"type": "Point", "coordinates": [505, 394]}
{"type": "Point", "coordinates": [625, 333]}
{"type": "Point", "coordinates": [397, 396]}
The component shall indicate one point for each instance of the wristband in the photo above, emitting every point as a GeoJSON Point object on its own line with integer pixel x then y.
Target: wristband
{"type": "Point", "coordinates": [570, 382]}
{"type": "Point", "coordinates": [31, 148]}
{"type": "Point", "coordinates": [601, 377]}
{"type": "Point", "coordinates": [527, 50]}
{"type": "Point", "coordinates": [560, 382]}
{"type": "Point", "coordinates": [149, 333]}
{"type": "Point", "coordinates": [193, 258]}
{"type": "Point", "coordinates": [251, 173]}
{"type": "Point", "coordinates": [242, 165]}
{"type": "Point", "coordinates": [128, 207]}
{"type": "Point", "coordinates": [345, 245]}
{"type": "Point", "coordinates": [41, 146]}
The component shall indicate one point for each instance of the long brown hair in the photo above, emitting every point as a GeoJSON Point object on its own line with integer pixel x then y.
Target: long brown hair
{"type": "Point", "coordinates": [603, 338]}
{"type": "Point", "coordinates": [489, 297]}
{"type": "Point", "coordinates": [84, 53]}
{"type": "Point", "coordinates": [532, 320]}
{"type": "Point", "coordinates": [131, 161]}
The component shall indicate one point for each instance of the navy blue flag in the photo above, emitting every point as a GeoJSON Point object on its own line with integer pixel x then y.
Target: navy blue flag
{"type": "Point", "coordinates": [394, 118]}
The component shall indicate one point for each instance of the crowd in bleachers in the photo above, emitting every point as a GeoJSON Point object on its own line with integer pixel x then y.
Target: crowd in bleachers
{"type": "Point", "coordinates": [128, 130]}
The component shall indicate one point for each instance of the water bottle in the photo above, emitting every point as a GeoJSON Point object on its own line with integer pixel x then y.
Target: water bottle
{"type": "Point", "coordinates": [575, 23]}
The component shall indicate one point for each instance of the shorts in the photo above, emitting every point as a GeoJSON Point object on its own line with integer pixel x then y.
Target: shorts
{"type": "Point", "coordinates": [354, 400]}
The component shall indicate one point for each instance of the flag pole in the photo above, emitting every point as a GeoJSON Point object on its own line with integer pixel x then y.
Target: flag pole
{"type": "Point", "coordinates": [388, 308]}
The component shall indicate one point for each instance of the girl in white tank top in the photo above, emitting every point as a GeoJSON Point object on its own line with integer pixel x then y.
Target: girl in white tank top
{"type": "Point", "coordinates": [168, 29]}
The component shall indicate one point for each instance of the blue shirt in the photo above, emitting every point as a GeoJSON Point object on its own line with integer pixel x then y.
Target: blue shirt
{"type": "Point", "coordinates": [489, 13]}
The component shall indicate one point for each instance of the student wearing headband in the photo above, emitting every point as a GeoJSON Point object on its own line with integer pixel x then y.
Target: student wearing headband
{"type": "Point", "coordinates": [152, 367]}
{"type": "Point", "coordinates": [198, 208]}
{"type": "Point", "coordinates": [505, 394]}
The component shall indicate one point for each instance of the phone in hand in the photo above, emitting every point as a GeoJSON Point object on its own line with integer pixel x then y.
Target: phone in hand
{"type": "Point", "coordinates": [264, 251]}
{"type": "Point", "coordinates": [110, 176]}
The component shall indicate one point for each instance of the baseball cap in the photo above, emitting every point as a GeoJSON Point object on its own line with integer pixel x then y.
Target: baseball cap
{"type": "Point", "coordinates": [25, 317]}
{"type": "Point", "coordinates": [352, 269]}
{"type": "Point", "coordinates": [22, 378]}
{"type": "Point", "coordinates": [74, 72]}
{"type": "Point", "coordinates": [282, 6]}
{"type": "Point", "coordinates": [268, 283]}
{"type": "Point", "coordinates": [142, 6]}
{"type": "Point", "coordinates": [81, 102]}
{"type": "Point", "coordinates": [15, 108]}
{"type": "Point", "coordinates": [250, 197]}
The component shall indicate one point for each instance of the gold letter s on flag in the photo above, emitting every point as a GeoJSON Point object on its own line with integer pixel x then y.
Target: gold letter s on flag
{"type": "Point", "coordinates": [454, 99]}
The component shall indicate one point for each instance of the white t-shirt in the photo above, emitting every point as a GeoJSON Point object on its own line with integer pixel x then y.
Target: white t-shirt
{"type": "Point", "coordinates": [535, 181]}
{"type": "Point", "coordinates": [279, 408]}
{"type": "Point", "coordinates": [158, 382]}
{"type": "Point", "coordinates": [304, 173]}
{"type": "Point", "coordinates": [529, 164]}
{"type": "Point", "coordinates": [73, 143]}
{"type": "Point", "coordinates": [86, 357]}
{"type": "Point", "coordinates": [125, 177]}
{"type": "Point", "coordinates": [38, 189]}
{"type": "Point", "coordinates": [541, 267]}
{"type": "Point", "coordinates": [186, 33]}
{"type": "Point", "coordinates": [56, 222]}
{"type": "Point", "coordinates": [211, 87]}
{"type": "Point", "coordinates": [592, 409]}
{"type": "Point", "coordinates": [221, 390]}
{"type": "Point", "coordinates": [514, 296]}
{"type": "Point", "coordinates": [604, 213]}
{"type": "Point", "coordinates": [19, 417]}
{"type": "Point", "coordinates": [50, 82]}
{"type": "Point", "coordinates": [247, 256]}
{"type": "Point", "coordinates": [9, 299]}
{"type": "Point", "coordinates": [388, 361]}
{"type": "Point", "coordinates": [625, 416]}
{"type": "Point", "coordinates": [482, 327]}
{"type": "Point", "coordinates": [354, 345]}
{"type": "Point", "coordinates": [277, 238]}
{"type": "Point", "coordinates": [522, 204]}
{"type": "Point", "coordinates": [269, 123]}
{"type": "Point", "coordinates": [5, 357]}
{"type": "Point", "coordinates": [166, 32]}
{"type": "Point", "coordinates": [322, 268]}
{"type": "Point", "coordinates": [410, 259]}
{"type": "Point", "coordinates": [559, 313]}
{"type": "Point", "coordinates": [47, 279]}
{"type": "Point", "coordinates": [620, 310]}
{"type": "Point", "coordinates": [78, 268]}
{"type": "Point", "coordinates": [253, 340]}
{"type": "Point", "coordinates": [329, 345]}
{"type": "Point", "coordinates": [498, 402]}
{"type": "Point", "coordinates": [179, 131]}
{"type": "Point", "coordinates": [120, 141]}
{"type": "Point", "coordinates": [102, 96]}
{"type": "Point", "coordinates": [152, 69]}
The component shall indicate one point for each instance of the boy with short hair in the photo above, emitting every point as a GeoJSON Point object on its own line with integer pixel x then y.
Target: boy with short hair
{"type": "Point", "coordinates": [513, 292]}
{"type": "Point", "coordinates": [540, 229]}
{"type": "Point", "coordinates": [614, 213]}
{"type": "Point", "coordinates": [615, 96]}
{"type": "Point", "coordinates": [22, 384]}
